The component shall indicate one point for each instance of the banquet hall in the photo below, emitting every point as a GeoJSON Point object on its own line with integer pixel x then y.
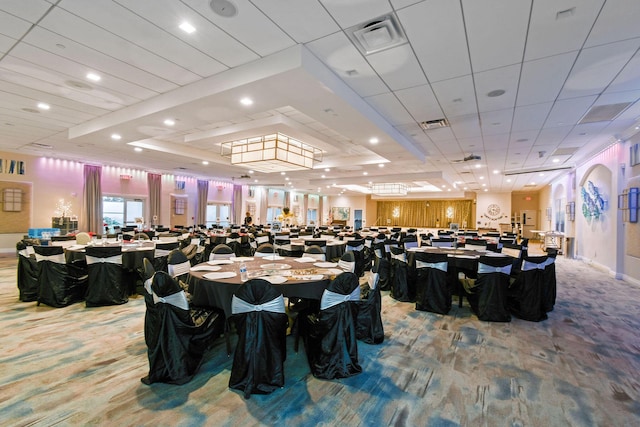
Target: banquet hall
{"type": "Point", "coordinates": [481, 120]}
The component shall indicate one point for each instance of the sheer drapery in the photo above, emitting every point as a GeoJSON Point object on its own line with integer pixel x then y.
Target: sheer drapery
{"type": "Point", "coordinates": [203, 196]}
{"type": "Point", "coordinates": [287, 199]}
{"type": "Point", "coordinates": [320, 210]}
{"type": "Point", "coordinates": [421, 213]}
{"type": "Point", "coordinates": [91, 218]}
{"type": "Point", "coordinates": [236, 204]}
{"type": "Point", "coordinates": [264, 193]}
{"type": "Point", "coordinates": [305, 208]}
{"type": "Point", "coordinates": [154, 182]}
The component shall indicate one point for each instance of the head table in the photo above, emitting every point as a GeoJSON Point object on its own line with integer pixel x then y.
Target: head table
{"type": "Point", "coordinates": [294, 277]}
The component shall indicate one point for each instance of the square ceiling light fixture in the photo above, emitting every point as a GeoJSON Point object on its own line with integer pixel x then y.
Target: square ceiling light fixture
{"type": "Point", "coordinates": [389, 189]}
{"type": "Point", "coordinates": [271, 153]}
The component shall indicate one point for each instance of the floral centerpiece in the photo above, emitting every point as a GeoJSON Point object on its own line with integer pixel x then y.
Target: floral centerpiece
{"type": "Point", "coordinates": [287, 217]}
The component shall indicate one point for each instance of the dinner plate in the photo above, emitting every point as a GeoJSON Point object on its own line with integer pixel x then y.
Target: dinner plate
{"type": "Point", "coordinates": [276, 280]}
{"type": "Point", "coordinates": [335, 271]}
{"type": "Point", "coordinates": [326, 264]}
{"type": "Point", "coordinates": [220, 275]}
{"type": "Point", "coordinates": [307, 277]}
{"type": "Point", "coordinates": [274, 266]}
{"type": "Point", "coordinates": [219, 262]}
{"type": "Point", "coordinates": [206, 268]}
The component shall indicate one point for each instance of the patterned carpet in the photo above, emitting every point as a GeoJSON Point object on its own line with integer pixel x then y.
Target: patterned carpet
{"type": "Point", "coordinates": [82, 366]}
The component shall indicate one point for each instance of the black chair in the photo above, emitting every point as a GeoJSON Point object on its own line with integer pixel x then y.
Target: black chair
{"type": "Point", "coordinates": [316, 242]}
{"type": "Point", "coordinates": [329, 335]}
{"type": "Point", "coordinates": [357, 248]}
{"type": "Point", "coordinates": [401, 287]}
{"type": "Point", "coordinates": [432, 290]}
{"type": "Point", "coordinates": [347, 262]}
{"type": "Point", "coordinates": [105, 285]}
{"type": "Point", "coordinates": [27, 273]}
{"type": "Point", "coordinates": [176, 342]}
{"type": "Point", "coordinates": [222, 251]}
{"type": "Point", "coordinates": [369, 328]}
{"type": "Point", "coordinates": [549, 283]}
{"type": "Point", "coordinates": [260, 319]}
{"type": "Point", "coordinates": [161, 254]}
{"type": "Point", "coordinates": [382, 266]}
{"type": "Point", "coordinates": [59, 284]}
{"type": "Point", "coordinates": [234, 241]}
{"type": "Point", "coordinates": [265, 250]}
{"type": "Point", "coordinates": [178, 265]}
{"type": "Point", "coordinates": [487, 294]}
{"type": "Point", "coordinates": [315, 252]}
{"type": "Point", "coordinates": [526, 294]}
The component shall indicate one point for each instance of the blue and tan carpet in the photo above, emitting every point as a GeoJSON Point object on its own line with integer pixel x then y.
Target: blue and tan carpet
{"type": "Point", "coordinates": [80, 366]}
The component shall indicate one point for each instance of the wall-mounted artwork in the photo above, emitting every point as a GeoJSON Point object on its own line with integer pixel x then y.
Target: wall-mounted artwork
{"type": "Point", "coordinates": [593, 204]}
{"type": "Point", "coordinates": [634, 154]}
{"type": "Point", "coordinates": [340, 214]}
{"type": "Point", "coordinates": [179, 207]}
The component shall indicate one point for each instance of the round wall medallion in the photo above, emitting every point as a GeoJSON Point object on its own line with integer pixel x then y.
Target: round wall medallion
{"type": "Point", "coordinates": [493, 209]}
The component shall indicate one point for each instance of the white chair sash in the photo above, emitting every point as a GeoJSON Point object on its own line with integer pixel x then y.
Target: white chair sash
{"type": "Point", "coordinates": [161, 252]}
{"type": "Point", "coordinates": [30, 250]}
{"type": "Point", "coordinates": [238, 306]}
{"type": "Point", "coordinates": [195, 241]}
{"type": "Point", "coordinates": [58, 258]}
{"type": "Point", "coordinates": [265, 254]}
{"type": "Point", "coordinates": [528, 265]}
{"type": "Point", "coordinates": [253, 244]}
{"type": "Point", "coordinates": [402, 257]}
{"type": "Point", "coordinates": [24, 253]}
{"type": "Point", "coordinates": [175, 270]}
{"type": "Point", "coordinates": [368, 243]}
{"type": "Point", "coordinates": [437, 265]}
{"type": "Point", "coordinates": [408, 245]}
{"type": "Point", "coordinates": [262, 239]}
{"type": "Point", "coordinates": [329, 298]}
{"type": "Point", "coordinates": [220, 256]}
{"type": "Point", "coordinates": [147, 285]}
{"type": "Point", "coordinates": [116, 259]}
{"type": "Point", "coordinates": [378, 253]}
{"type": "Point", "coordinates": [185, 236]}
{"type": "Point", "coordinates": [237, 240]}
{"type": "Point", "coordinates": [355, 248]}
{"type": "Point", "coordinates": [347, 266]}
{"type": "Point", "coordinates": [484, 269]}
{"type": "Point", "coordinates": [373, 280]}
{"type": "Point", "coordinates": [179, 299]}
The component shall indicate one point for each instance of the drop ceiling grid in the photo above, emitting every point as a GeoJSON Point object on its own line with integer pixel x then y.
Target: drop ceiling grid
{"type": "Point", "coordinates": [398, 67]}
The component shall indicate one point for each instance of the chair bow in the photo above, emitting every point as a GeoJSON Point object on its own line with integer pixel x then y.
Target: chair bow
{"type": "Point", "coordinates": [550, 260]}
{"type": "Point", "coordinates": [24, 253]}
{"type": "Point", "coordinates": [175, 270]}
{"type": "Point", "coordinates": [179, 299]}
{"type": "Point", "coordinates": [347, 266]}
{"type": "Point", "coordinates": [400, 257]}
{"type": "Point", "coordinates": [239, 305]}
{"type": "Point", "coordinates": [330, 298]}
{"type": "Point", "coordinates": [437, 265]}
{"type": "Point", "coordinates": [355, 248]}
{"type": "Point", "coordinates": [528, 265]}
{"type": "Point", "coordinates": [58, 258]}
{"type": "Point", "coordinates": [373, 280]}
{"type": "Point", "coordinates": [230, 240]}
{"type": "Point", "coordinates": [161, 252]}
{"type": "Point", "coordinates": [485, 268]}
{"type": "Point", "coordinates": [116, 259]}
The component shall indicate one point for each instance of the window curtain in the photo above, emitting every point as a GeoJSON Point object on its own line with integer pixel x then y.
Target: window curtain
{"type": "Point", "coordinates": [154, 182]}
{"type": "Point", "coordinates": [203, 197]}
{"type": "Point", "coordinates": [91, 219]}
{"type": "Point", "coordinates": [236, 204]}
{"type": "Point", "coordinates": [287, 200]}
{"type": "Point", "coordinates": [424, 213]}
{"type": "Point", "coordinates": [305, 208]}
{"type": "Point", "coordinates": [264, 197]}
{"type": "Point", "coordinates": [321, 211]}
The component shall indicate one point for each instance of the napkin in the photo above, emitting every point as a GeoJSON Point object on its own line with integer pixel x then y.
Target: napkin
{"type": "Point", "coordinates": [206, 268]}
{"type": "Point", "coordinates": [274, 279]}
{"type": "Point", "coordinates": [220, 275]}
{"type": "Point", "coordinates": [305, 259]}
{"type": "Point", "coordinates": [219, 262]}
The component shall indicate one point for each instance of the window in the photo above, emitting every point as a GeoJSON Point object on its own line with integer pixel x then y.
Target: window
{"type": "Point", "coordinates": [273, 213]}
{"type": "Point", "coordinates": [312, 216]}
{"type": "Point", "coordinates": [217, 214]}
{"type": "Point", "coordinates": [121, 211]}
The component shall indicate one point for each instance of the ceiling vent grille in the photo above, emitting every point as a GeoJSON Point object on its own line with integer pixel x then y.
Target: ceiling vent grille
{"type": "Point", "coordinates": [434, 124]}
{"type": "Point", "coordinates": [377, 35]}
{"type": "Point", "coordinates": [603, 113]}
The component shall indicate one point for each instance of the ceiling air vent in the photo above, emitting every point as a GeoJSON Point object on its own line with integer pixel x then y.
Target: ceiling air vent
{"type": "Point", "coordinates": [378, 34]}
{"type": "Point", "coordinates": [603, 113]}
{"type": "Point", "coordinates": [434, 124]}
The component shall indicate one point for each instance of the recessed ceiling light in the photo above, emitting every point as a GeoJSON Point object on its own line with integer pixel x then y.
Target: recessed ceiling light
{"type": "Point", "coordinates": [169, 122]}
{"type": "Point", "coordinates": [138, 149]}
{"type": "Point", "coordinates": [448, 189]}
{"type": "Point", "coordinates": [116, 137]}
{"type": "Point", "coordinates": [223, 8]}
{"type": "Point", "coordinates": [283, 173]}
{"type": "Point", "coordinates": [327, 170]}
{"type": "Point", "coordinates": [495, 93]}
{"type": "Point", "coordinates": [250, 171]}
{"type": "Point", "coordinates": [374, 140]}
{"type": "Point", "coordinates": [496, 171]}
{"type": "Point", "coordinates": [444, 186]}
{"type": "Point", "coordinates": [323, 176]}
{"type": "Point", "coordinates": [508, 179]}
{"type": "Point", "coordinates": [464, 188]}
{"type": "Point", "coordinates": [486, 189]}
{"type": "Point", "coordinates": [533, 183]}
{"type": "Point", "coordinates": [187, 28]}
{"type": "Point", "coordinates": [484, 185]}
{"type": "Point", "coordinates": [93, 77]}
{"type": "Point", "coordinates": [380, 165]}
{"type": "Point", "coordinates": [43, 106]}
{"type": "Point", "coordinates": [478, 166]}
{"type": "Point", "coordinates": [482, 177]}
{"type": "Point", "coordinates": [286, 178]}
{"type": "Point", "coordinates": [541, 174]}
{"type": "Point", "coordinates": [556, 160]}
{"type": "Point", "coordinates": [365, 173]}
{"type": "Point", "coordinates": [246, 101]}
{"type": "Point", "coordinates": [204, 162]}
{"type": "Point", "coordinates": [255, 180]}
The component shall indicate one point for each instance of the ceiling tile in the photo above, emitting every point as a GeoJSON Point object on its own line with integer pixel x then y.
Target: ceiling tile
{"type": "Point", "coordinates": [12, 26]}
{"type": "Point", "coordinates": [421, 103]}
{"type": "Point", "coordinates": [457, 97]}
{"type": "Point", "coordinates": [504, 78]}
{"type": "Point", "coordinates": [398, 67]}
{"type": "Point", "coordinates": [353, 12]}
{"type": "Point", "coordinates": [618, 20]}
{"type": "Point", "coordinates": [30, 11]}
{"type": "Point", "coordinates": [542, 79]}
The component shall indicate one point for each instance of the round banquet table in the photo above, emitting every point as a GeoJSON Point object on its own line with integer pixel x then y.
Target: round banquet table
{"type": "Point", "coordinates": [217, 293]}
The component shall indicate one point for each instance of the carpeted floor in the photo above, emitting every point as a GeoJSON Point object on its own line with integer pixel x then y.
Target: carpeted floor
{"type": "Point", "coordinates": [82, 366]}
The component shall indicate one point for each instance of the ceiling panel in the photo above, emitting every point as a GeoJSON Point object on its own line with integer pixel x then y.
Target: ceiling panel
{"type": "Point", "coordinates": [349, 13]}
{"type": "Point", "coordinates": [530, 117]}
{"type": "Point", "coordinates": [420, 102]}
{"type": "Point", "coordinates": [504, 44]}
{"type": "Point", "coordinates": [628, 78]}
{"type": "Point", "coordinates": [13, 26]}
{"type": "Point", "coordinates": [31, 10]}
{"type": "Point", "coordinates": [615, 22]}
{"type": "Point", "coordinates": [542, 79]}
{"type": "Point", "coordinates": [398, 67]}
{"type": "Point", "coordinates": [569, 111]}
{"type": "Point", "coordinates": [504, 78]}
{"type": "Point", "coordinates": [457, 96]}
{"type": "Point", "coordinates": [389, 106]}
{"type": "Point", "coordinates": [6, 43]}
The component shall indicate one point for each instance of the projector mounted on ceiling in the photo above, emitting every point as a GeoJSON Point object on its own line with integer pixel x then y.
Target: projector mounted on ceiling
{"type": "Point", "coordinates": [468, 158]}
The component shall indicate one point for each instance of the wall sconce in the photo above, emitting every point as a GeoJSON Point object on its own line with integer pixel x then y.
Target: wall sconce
{"type": "Point", "coordinates": [570, 210]}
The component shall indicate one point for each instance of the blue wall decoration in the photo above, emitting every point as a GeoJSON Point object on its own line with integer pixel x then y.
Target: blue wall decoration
{"type": "Point", "coordinates": [593, 204]}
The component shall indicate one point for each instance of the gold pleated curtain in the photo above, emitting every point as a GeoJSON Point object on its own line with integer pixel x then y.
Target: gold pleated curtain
{"type": "Point", "coordinates": [421, 213]}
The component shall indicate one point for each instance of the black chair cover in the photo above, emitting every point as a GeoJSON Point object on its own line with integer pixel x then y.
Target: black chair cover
{"type": "Point", "coordinates": [222, 249]}
{"type": "Point", "coordinates": [330, 335]}
{"type": "Point", "coordinates": [382, 266]}
{"type": "Point", "coordinates": [161, 255]}
{"type": "Point", "coordinates": [59, 284]}
{"type": "Point", "coordinates": [258, 362]}
{"type": "Point", "coordinates": [401, 289]}
{"type": "Point", "coordinates": [176, 264]}
{"type": "Point", "coordinates": [27, 274]}
{"type": "Point", "coordinates": [175, 344]}
{"type": "Point", "coordinates": [488, 297]}
{"type": "Point", "coordinates": [106, 285]}
{"type": "Point", "coordinates": [526, 295]}
{"type": "Point", "coordinates": [369, 326]}
{"type": "Point", "coordinates": [549, 283]}
{"type": "Point", "coordinates": [432, 290]}
{"type": "Point", "coordinates": [357, 248]}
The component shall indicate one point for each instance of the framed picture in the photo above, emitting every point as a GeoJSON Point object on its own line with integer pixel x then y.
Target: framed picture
{"type": "Point", "coordinates": [340, 214]}
{"type": "Point", "coordinates": [634, 154]}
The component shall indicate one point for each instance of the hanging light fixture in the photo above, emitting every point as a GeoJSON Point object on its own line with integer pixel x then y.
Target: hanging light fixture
{"type": "Point", "coordinates": [389, 189]}
{"type": "Point", "coordinates": [271, 153]}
